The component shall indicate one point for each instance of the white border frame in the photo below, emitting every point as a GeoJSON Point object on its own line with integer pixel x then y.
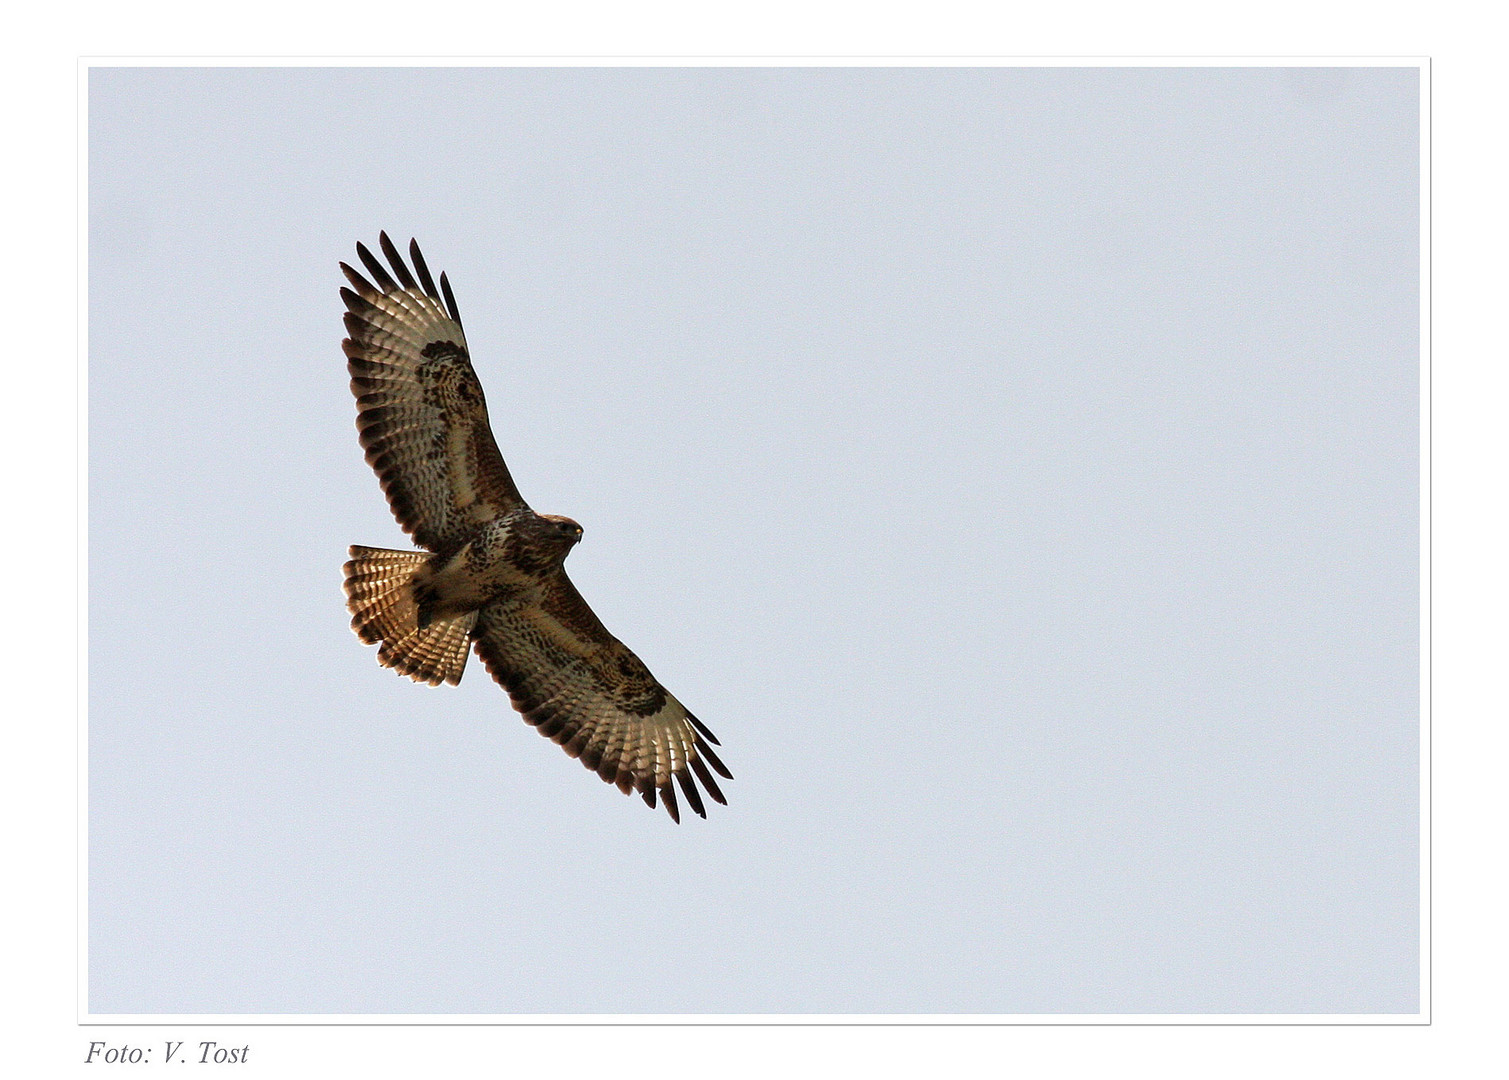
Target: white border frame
{"type": "Point", "coordinates": [194, 1020]}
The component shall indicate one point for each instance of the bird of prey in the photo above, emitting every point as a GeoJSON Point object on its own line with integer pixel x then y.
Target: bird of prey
{"type": "Point", "coordinates": [491, 575]}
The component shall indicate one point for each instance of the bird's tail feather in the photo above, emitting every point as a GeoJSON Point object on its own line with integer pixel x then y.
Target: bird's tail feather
{"type": "Point", "coordinates": [380, 596]}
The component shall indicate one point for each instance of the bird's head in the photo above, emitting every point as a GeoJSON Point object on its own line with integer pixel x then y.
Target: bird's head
{"type": "Point", "coordinates": [565, 531]}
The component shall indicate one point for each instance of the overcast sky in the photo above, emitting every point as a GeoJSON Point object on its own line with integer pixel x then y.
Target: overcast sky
{"type": "Point", "coordinates": [1017, 469]}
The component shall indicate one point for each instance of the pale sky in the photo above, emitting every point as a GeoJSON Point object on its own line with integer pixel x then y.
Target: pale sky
{"type": "Point", "coordinates": [1017, 469]}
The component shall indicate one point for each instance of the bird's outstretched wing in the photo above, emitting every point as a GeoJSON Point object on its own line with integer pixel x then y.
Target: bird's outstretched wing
{"type": "Point", "coordinates": [583, 688]}
{"type": "Point", "coordinates": [419, 406]}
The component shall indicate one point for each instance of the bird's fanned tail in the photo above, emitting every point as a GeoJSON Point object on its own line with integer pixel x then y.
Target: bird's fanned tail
{"type": "Point", "coordinates": [380, 597]}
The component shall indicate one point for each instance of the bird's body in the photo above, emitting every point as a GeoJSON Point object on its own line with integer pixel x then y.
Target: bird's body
{"type": "Point", "coordinates": [507, 559]}
{"type": "Point", "coordinates": [492, 575]}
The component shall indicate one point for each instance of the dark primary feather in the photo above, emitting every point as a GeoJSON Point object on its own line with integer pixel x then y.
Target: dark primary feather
{"type": "Point", "coordinates": [376, 269]}
{"type": "Point", "coordinates": [450, 299]}
{"type": "Point", "coordinates": [702, 728]}
{"type": "Point", "coordinates": [423, 271]}
{"type": "Point", "coordinates": [361, 284]}
{"type": "Point", "coordinates": [396, 261]}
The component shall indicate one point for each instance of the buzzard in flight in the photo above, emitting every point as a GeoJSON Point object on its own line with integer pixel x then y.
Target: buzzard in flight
{"type": "Point", "coordinates": [492, 573]}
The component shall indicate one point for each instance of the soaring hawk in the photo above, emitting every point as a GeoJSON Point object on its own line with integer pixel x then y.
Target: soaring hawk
{"type": "Point", "coordinates": [492, 573]}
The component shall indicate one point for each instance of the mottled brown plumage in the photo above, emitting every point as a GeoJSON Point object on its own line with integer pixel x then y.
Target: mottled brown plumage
{"type": "Point", "coordinates": [491, 575]}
